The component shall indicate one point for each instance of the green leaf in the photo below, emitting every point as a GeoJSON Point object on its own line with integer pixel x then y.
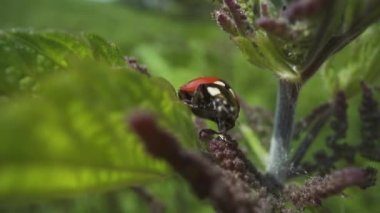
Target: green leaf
{"type": "Point", "coordinates": [102, 50]}
{"type": "Point", "coordinates": [70, 135]}
{"type": "Point", "coordinates": [255, 145]}
{"type": "Point", "coordinates": [263, 53]}
{"type": "Point", "coordinates": [357, 62]}
{"type": "Point", "coordinates": [27, 56]}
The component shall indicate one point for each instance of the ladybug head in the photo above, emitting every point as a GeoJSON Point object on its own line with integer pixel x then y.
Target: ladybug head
{"type": "Point", "coordinates": [213, 100]}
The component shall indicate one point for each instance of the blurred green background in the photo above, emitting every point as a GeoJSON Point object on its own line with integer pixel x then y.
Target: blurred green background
{"type": "Point", "coordinates": [177, 40]}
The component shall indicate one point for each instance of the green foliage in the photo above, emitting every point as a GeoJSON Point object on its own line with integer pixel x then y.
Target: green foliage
{"type": "Point", "coordinates": [62, 118]}
{"type": "Point", "coordinates": [193, 8]}
{"type": "Point", "coordinates": [178, 49]}
{"type": "Point", "coordinates": [358, 62]}
{"type": "Point", "coordinates": [265, 54]}
{"type": "Point", "coordinates": [293, 38]}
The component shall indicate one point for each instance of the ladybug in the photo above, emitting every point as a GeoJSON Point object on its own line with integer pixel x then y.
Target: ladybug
{"type": "Point", "coordinates": [211, 98]}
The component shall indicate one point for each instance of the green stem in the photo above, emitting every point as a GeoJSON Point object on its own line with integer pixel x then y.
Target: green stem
{"type": "Point", "coordinates": [287, 95]}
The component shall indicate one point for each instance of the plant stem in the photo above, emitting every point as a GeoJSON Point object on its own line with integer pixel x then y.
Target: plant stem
{"type": "Point", "coordinates": [287, 95]}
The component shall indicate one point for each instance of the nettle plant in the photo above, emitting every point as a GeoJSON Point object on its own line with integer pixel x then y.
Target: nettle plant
{"type": "Point", "coordinates": [77, 116]}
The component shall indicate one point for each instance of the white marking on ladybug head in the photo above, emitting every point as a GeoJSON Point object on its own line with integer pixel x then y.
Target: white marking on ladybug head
{"type": "Point", "coordinates": [220, 83]}
{"type": "Point", "coordinates": [213, 91]}
{"type": "Point", "coordinates": [232, 92]}
{"type": "Point", "coordinates": [224, 102]}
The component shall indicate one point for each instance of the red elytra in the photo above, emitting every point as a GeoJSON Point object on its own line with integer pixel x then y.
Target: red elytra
{"type": "Point", "coordinates": [192, 85]}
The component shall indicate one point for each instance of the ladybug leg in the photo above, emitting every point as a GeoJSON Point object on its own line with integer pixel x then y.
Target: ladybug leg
{"type": "Point", "coordinates": [207, 134]}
